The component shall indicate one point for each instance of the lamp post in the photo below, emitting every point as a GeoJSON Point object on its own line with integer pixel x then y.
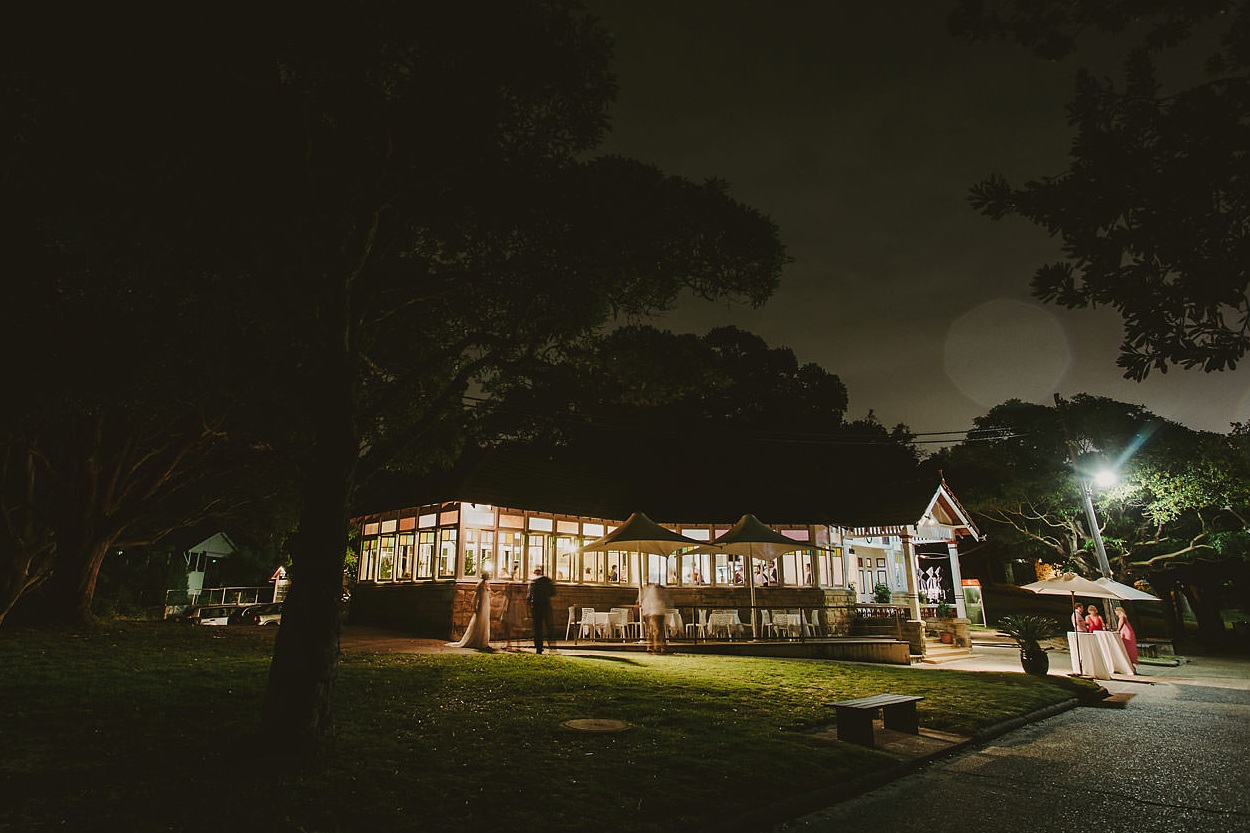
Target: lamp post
{"type": "Point", "coordinates": [1087, 498]}
{"type": "Point", "coordinates": [1086, 489]}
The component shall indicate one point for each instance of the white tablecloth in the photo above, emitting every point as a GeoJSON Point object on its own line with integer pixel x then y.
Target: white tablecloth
{"type": "Point", "coordinates": [1098, 654]}
{"type": "Point", "coordinates": [790, 624]}
{"type": "Point", "coordinates": [724, 623]}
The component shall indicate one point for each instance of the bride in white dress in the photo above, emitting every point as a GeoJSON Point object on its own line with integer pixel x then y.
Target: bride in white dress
{"type": "Point", "coordinates": [477, 635]}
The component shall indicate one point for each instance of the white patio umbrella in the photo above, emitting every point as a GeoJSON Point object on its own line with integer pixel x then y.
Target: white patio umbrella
{"type": "Point", "coordinates": [1127, 592]}
{"type": "Point", "coordinates": [640, 534]}
{"type": "Point", "coordinates": [1070, 584]}
{"type": "Point", "coordinates": [752, 538]}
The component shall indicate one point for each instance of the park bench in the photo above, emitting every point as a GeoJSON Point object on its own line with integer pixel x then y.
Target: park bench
{"type": "Point", "coordinates": [855, 717]}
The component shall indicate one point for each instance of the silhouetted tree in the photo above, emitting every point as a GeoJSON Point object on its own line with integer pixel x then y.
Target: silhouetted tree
{"type": "Point", "coordinates": [1153, 208]}
{"type": "Point", "coordinates": [387, 205]}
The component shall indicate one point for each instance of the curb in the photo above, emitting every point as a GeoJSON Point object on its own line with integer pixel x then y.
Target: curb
{"type": "Point", "coordinates": [790, 809]}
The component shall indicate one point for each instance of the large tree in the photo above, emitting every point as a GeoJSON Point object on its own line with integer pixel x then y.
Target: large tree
{"type": "Point", "coordinates": [1173, 518]}
{"type": "Point", "coordinates": [713, 426]}
{"type": "Point", "coordinates": [1153, 210]}
{"type": "Point", "coordinates": [396, 204]}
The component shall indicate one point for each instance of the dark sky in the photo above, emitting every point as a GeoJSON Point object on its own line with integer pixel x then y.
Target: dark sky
{"type": "Point", "coordinates": [859, 127]}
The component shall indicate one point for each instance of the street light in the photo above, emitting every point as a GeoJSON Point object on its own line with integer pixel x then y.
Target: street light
{"type": "Point", "coordinates": [1087, 495]}
{"type": "Point", "coordinates": [1086, 488]}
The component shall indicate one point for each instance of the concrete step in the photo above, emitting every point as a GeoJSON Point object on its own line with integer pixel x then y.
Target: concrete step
{"type": "Point", "coordinates": [1112, 701]}
{"type": "Point", "coordinates": [937, 652]}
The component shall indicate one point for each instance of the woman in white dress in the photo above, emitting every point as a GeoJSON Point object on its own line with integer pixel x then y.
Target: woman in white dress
{"type": "Point", "coordinates": [477, 635]}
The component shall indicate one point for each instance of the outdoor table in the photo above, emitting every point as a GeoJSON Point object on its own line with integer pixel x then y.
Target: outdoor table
{"type": "Point", "coordinates": [673, 622]}
{"type": "Point", "coordinates": [621, 623]}
{"type": "Point", "coordinates": [1098, 654]}
{"type": "Point", "coordinates": [595, 623]}
{"type": "Point", "coordinates": [726, 622]}
{"type": "Point", "coordinates": [791, 624]}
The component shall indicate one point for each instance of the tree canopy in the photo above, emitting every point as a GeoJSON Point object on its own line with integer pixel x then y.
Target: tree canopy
{"type": "Point", "coordinates": [384, 206]}
{"type": "Point", "coordinates": [1175, 517]}
{"type": "Point", "coordinates": [1153, 210]}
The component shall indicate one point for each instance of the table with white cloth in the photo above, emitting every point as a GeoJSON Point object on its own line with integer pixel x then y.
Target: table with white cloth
{"type": "Point", "coordinates": [595, 624]}
{"type": "Point", "coordinates": [724, 623]}
{"type": "Point", "coordinates": [673, 623]}
{"type": "Point", "coordinates": [623, 624]}
{"type": "Point", "coordinates": [788, 624]}
{"type": "Point", "coordinates": [1098, 654]}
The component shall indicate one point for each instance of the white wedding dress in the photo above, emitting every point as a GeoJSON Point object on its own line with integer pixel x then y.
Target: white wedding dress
{"type": "Point", "coordinates": [477, 635]}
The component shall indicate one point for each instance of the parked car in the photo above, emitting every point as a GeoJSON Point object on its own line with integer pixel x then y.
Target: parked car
{"type": "Point", "coordinates": [269, 613]}
{"type": "Point", "coordinates": [210, 614]}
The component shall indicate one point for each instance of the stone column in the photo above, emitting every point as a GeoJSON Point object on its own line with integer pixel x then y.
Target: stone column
{"type": "Point", "coordinates": [913, 591]}
{"type": "Point", "coordinates": [957, 579]}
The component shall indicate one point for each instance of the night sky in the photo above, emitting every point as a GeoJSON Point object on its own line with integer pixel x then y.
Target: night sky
{"type": "Point", "coordinates": [859, 128]}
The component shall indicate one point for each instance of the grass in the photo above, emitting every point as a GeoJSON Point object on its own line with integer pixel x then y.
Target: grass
{"type": "Point", "coordinates": [152, 727]}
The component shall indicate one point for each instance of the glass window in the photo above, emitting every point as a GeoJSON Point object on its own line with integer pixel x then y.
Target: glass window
{"type": "Point", "coordinates": [618, 568]}
{"type": "Point", "coordinates": [594, 566]}
{"type": "Point", "coordinates": [386, 558]}
{"type": "Point", "coordinates": [566, 558]}
{"type": "Point", "coordinates": [729, 569]}
{"type": "Point", "coordinates": [536, 554]}
{"type": "Point", "coordinates": [509, 549]}
{"type": "Point", "coordinates": [695, 569]}
{"type": "Point", "coordinates": [470, 553]}
{"type": "Point", "coordinates": [406, 547]}
{"type": "Point", "coordinates": [447, 553]}
{"type": "Point", "coordinates": [425, 554]}
{"type": "Point", "coordinates": [486, 553]}
{"type": "Point", "coordinates": [368, 559]}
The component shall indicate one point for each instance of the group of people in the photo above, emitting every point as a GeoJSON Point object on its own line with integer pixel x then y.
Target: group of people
{"type": "Point", "coordinates": [653, 606]}
{"type": "Point", "coordinates": [1088, 620]}
{"type": "Point", "coordinates": [541, 590]}
{"type": "Point", "coordinates": [765, 576]}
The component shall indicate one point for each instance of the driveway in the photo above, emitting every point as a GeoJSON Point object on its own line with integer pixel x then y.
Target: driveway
{"type": "Point", "coordinates": [1175, 758]}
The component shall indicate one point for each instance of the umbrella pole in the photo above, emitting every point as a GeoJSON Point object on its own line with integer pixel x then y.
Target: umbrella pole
{"type": "Point", "coordinates": [1080, 668]}
{"type": "Point", "coordinates": [747, 568]}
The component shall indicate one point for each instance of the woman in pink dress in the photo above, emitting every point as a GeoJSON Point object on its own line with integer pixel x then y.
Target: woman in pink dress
{"type": "Point", "coordinates": [1093, 621]}
{"type": "Point", "coordinates": [1127, 635]}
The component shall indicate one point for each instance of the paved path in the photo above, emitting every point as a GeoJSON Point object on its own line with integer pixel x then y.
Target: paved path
{"type": "Point", "coordinates": [1177, 758]}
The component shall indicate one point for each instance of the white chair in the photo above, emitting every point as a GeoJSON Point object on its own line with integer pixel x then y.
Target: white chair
{"type": "Point", "coordinates": [618, 621]}
{"type": "Point", "coordinates": [568, 630]}
{"type": "Point", "coordinates": [767, 626]}
{"type": "Point", "coordinates": [698, 628]}
{"type": "Point", "coordinates": [588, 627]}
{"type": "Point", "coordinates": [811, 624]}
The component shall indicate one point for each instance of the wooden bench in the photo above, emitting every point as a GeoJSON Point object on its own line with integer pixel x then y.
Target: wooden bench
{"type": "Point", "coordinates": [898, 712]}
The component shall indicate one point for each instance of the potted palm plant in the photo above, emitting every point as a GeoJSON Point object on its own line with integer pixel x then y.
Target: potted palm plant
{"type": "Point", "coordinates": [1028, 632]}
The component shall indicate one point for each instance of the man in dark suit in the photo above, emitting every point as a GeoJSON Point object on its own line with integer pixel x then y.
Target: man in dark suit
{"type": "Point", "coordinates": [542, 588]}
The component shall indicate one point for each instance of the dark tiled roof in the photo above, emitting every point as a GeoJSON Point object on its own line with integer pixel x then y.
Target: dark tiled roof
{"type": "Point", "coordinates": [532, 479]}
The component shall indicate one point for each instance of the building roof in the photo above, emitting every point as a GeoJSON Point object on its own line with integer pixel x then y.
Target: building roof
{"type": "Point", "coordinates": [723, 492]}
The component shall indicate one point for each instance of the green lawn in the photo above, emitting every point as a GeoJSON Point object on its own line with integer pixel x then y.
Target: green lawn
{"type": "Point", "coordinates": [152, 727]}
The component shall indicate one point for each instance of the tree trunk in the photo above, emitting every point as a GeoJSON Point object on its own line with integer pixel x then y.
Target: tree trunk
{"type": "Point", "coordinates": [71, 586]}
{"type": "Point", "coordinates": [297, 707]}
{"type": "Point", "coordinates": [1173, 623]}
{"type": "Point", "coordinates": [1203, 599]}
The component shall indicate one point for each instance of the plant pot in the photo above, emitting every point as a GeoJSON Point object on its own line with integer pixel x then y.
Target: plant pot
{"type": "Point", "coordinates": [948, 638]}
{"type": "Point", "coordinates": [1034, 660]}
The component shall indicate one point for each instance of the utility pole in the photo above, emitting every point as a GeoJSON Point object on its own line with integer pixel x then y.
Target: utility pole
{"type": "Point", "coordinates": [1086, 490]}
